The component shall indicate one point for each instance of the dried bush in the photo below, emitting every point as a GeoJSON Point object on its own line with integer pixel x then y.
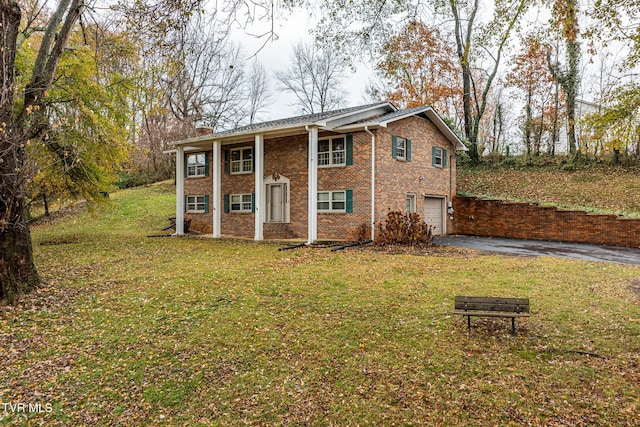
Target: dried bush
{"type": "Point", "coordinates": [363, 232]}
{"type": "Point", "coordinates": [403, 229]}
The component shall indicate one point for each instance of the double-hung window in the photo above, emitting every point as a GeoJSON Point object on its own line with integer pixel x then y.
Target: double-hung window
{"type": "Point", "coordinates": [332, 201]}
{"type": "Point", "coordinates": [242, 160]}
{"type": "Point", "coordinates": [196, 204]}
{"type": "Point", "coordinates": [332, 152]}
{"type": "Point", "coordinates": [401, 148]}
{"type": "Point", "coordinates": [196, 165]}
{"type": "Point", "coordinates": [241, 202]}
{"type": "Point", "coordinates": [438, 157]}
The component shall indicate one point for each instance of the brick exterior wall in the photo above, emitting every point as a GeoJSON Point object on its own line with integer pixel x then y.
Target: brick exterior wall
{"type": "Point", "coordinates": [287, 157]}
{"type": "Point", "coordinates": [497, 218]}
{"type": "Point", "coordinates": [397, 178]}
{"type": "Point", "coordinates": [200, 186]}
{"type": "Point", "coordinates": [355, 177]}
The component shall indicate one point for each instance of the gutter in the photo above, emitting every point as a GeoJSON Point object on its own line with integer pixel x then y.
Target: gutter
{"type": "Point", "coordinates": [373, 182]}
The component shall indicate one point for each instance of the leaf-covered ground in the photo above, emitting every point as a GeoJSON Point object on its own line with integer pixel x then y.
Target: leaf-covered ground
{"type": "Point", "coordinates": [133, 330]}
{"type": "Point", "coordinates": [595, 188]}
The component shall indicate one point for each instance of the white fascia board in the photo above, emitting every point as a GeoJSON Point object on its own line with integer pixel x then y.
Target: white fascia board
{"type": "Point", "coordinates": [430, 113]}
{"type": "Point", "coordinates": [446, 130]}
{"type": "Point", "coordinates": [354, 116]}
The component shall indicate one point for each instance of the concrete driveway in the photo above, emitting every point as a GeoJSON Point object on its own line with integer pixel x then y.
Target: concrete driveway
{"type": "Point", "coordinates": [583, 251]}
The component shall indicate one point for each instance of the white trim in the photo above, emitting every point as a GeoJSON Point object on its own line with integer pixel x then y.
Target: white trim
{"type": "Point", "coordinates": [330, 139]}
{"type": "Point", "coordinates": [432, 115]}
{"type": "Point", "coordinates": [242, 159]}
{"type": "Point", "coordinates": [204, 165]}
{"type": "Point", "coordinates": [441, 157]}
{"type": "Point", "coordinates": [258, 158]}
{"type": "Point", "coordinates": [216, 172]}
{"type": "Point", "coordinates": [242, 202]}
{"type": "Point", "coordinates": [443, 200]}
{"type": "Point", "coordinates": [331, 201]}
{"type": "Point", "coordinates": [180, 192]}
{"type": "Point", "coordinates": [328, 123]}
{"type": "Point", "coordinates": [286, 182]}
{"type": "Point", "coordinates": [195, 202]}
{"type": "Point", "coordinates": [402, 157]}
{"type": "Point", "coordinates": [373, 182]}
{"type": "Point", "coordinates": [413, 208]}
{"type": "Point", "coordinates": [312, 208]}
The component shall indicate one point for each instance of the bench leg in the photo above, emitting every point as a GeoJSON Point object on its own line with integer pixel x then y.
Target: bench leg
{"type": "Point", "coordinates": [513, 326]}
{"type": "Point", "coordinates": [469, 322]}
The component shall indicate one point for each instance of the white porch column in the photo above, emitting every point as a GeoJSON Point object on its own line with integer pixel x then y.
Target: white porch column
{"type": "Point", "coordinates": [180, 191]}
{"type": "Point", "coordinates": [258, 152]}
{"type": "Point", "coordinates": [217, 210]}
{"type": "Point", "coordinates": [312, 232]}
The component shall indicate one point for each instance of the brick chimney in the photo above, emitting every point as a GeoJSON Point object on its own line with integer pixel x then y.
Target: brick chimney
{"type": "Point", "coordinates": [204, 131]}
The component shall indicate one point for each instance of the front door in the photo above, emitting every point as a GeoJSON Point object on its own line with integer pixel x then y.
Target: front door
{"type": "Point", "coordinates": [276, 202]}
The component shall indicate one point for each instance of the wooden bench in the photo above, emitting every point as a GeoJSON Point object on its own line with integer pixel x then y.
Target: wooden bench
{"type": "Point", "coordinates": [492, 307]}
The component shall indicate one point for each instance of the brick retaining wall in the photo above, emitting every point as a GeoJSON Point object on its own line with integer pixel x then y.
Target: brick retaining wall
{"type": "Point", "coordinates": [498, 218]}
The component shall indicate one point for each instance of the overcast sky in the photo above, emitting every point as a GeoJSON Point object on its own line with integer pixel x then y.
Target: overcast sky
{"type": "Point", "coordinates": [275, 55]}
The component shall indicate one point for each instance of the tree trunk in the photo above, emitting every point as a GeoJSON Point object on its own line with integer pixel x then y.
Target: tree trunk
{"type": "Point", "coordinates": [45, 202]}
{"type": "Point", "coordinates": [18, 273]}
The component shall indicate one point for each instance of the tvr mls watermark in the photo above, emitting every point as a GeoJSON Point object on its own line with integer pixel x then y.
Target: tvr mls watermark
{"type": "Point", "coordinates": [26, 408]}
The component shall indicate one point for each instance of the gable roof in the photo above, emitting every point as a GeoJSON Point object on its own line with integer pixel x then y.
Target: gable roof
{"type": "Point", "coordinates": [422, 111]}
{"type": "Point", "coordinates": [368, 116]}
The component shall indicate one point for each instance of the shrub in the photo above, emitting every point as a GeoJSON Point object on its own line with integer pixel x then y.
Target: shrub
{"type": "Point", "coordinates": [400, 228]}
{"type": "Point", "coordinates": [363, 232]}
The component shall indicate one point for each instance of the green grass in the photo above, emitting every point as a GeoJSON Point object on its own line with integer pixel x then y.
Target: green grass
{"type": "Point", "coordinates": [133, 330]}
{"type": "Point", "coordinates": [596, 188]}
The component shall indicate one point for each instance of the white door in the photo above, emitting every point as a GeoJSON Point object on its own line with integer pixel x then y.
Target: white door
{"type": "Point", "coordinates": [433, 214]}
{"type": "Point", "coordinates": [276, 203]}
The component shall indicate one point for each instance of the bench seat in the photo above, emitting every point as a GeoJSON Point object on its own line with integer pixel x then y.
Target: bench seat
{"type": "Point", "coordinates": [492, 307]}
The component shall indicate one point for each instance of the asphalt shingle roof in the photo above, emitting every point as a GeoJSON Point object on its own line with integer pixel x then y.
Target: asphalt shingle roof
{"type": "Point", "coordinates": [292, 121]}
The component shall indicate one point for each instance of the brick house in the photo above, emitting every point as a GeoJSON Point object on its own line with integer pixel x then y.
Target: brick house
{"type": "Point", "coordinates": [356, 163]}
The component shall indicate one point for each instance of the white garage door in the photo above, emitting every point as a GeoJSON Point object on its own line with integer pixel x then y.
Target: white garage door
{"type": "Point", "coordinates": [433, 210]}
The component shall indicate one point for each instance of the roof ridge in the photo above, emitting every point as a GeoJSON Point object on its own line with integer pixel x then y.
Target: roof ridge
{"type": "Point", "coordinates": [297, 119]}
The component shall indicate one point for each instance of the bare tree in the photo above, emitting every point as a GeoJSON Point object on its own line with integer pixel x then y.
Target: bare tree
{"type": "Point", "coordinates": [315, 78]}
{"type": "Point", "coordinates": [258, 94]}
{"type": "Point", "coordinates": [205, 80]}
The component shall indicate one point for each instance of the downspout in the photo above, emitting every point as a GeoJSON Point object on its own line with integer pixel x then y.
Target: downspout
{"type": "Point", "coordinates": [450, 203]}
{"type": "Point", "coordinates": [312, 203]}
{"type": "Point", "coordinates": [373, 182]}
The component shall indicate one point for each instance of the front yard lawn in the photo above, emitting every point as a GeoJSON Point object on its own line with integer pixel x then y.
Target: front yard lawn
{"type": "Point", "coordinates": [133, 330]}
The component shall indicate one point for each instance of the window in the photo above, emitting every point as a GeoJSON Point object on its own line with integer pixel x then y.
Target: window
{"type": "Point", "coordinates": [411, 203]}
{"type": "Point", "coordinates": [197, 204]}
{"type": "Point", "coordinates": [333, 201]}
{"type": "Point", "coordinates": [332, 152]}
{"type": "Point", "coordinates": [241, 202]}
{"type": "Point", "coordinates": [196, 165]}
{"type": "Point", "coordinates": [242, 160]}
{"type": "Point", "coordinates": [439, 157]}
{"type": "Point", "coordinates": [401, 148]}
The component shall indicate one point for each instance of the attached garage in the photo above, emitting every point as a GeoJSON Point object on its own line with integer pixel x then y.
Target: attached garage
{"type": "Point", "coordinates": [434, 214]}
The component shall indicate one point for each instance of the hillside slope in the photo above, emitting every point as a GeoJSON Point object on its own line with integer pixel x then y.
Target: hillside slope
{"type": "Point", "coordinates": [598, 189]}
